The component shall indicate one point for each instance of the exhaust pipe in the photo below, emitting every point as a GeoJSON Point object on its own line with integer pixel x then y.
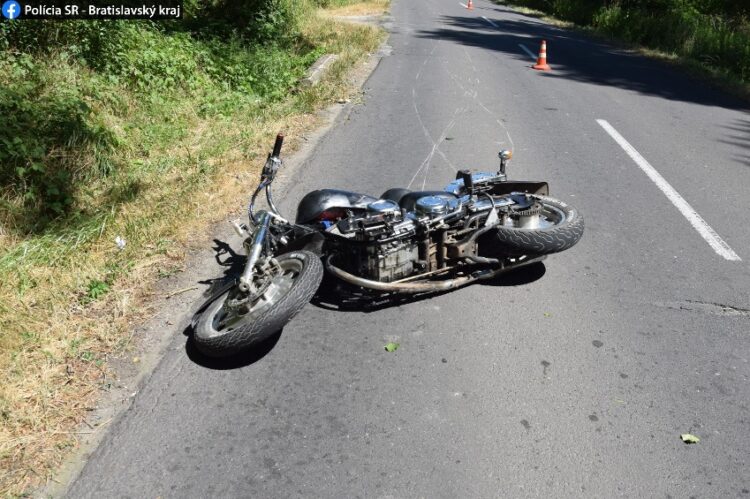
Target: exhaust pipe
{"type": "Point", "coordinates": [424, 287]}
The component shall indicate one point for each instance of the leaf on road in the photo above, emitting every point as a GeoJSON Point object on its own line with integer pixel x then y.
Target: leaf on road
{"type": "Point", "coordinates": [392, 347]}
{"type": "Point", "coordinates": [689, 439]}
{"type": "Point", "coordinates": [547, 314]}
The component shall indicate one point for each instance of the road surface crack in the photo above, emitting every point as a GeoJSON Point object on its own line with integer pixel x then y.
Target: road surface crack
{"type": "Point", "coordinates": [712, 308]}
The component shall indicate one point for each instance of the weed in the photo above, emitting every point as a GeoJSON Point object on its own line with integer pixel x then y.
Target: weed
{"type": "Point", "coordinates": [165, 272]}
{"type": "Point", "coordinates": [97, 289]}
{"type": "Point", "coordinates": [88, 356]}
{"type": "Point", "coordinates": [74, 345]}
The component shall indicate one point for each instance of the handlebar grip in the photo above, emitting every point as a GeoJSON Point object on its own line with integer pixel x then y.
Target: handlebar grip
{"type": "Point", "coordinates": [277, 145]}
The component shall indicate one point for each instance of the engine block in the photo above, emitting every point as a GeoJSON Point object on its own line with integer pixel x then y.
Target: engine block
{"type": "Point", "coordinates": [384, 262]}
{"type": "Point", "coordinates": [379, 244]}
{"type": "Point", "coordinates": [389, 262]}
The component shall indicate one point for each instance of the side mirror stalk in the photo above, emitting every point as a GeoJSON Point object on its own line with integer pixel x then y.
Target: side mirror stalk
{"type": "Point", "coordinates": [504, 156]}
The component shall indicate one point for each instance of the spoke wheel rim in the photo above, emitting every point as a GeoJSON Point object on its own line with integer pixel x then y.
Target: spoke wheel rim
{"type": "Point", "coordinates": [224, 319]}
{"type": "Point", "coordinates": [551, 216]}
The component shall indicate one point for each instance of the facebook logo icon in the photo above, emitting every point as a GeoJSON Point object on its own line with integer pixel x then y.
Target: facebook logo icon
{"type": "Point", "coordinates": [11, 9]}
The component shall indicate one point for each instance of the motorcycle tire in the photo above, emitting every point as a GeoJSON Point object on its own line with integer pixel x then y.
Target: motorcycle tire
{"type": "Point", "coordinates": [562, 229]}
{"type": "Point", "coordinates": [289, 292]}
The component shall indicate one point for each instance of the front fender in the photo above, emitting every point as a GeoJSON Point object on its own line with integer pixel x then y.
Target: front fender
{"type": "Point", "coordinates": [527, 186]}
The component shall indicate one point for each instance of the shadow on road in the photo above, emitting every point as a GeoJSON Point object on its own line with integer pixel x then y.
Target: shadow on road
{"type": "Point", "coordinates": [739, 137]}
{"type": "Point", "coordinates": [519, 277]}
{"type": "Point", "coordinates": [341, 297]}
{"type": "Point", "coordinates": [242, 359]}
{"type": "Point", "coordinates": [232, 263]}
{"type": "Point", "coordinates": [575, 57]}
{"type": "Point", "coordinates": [332, 294]}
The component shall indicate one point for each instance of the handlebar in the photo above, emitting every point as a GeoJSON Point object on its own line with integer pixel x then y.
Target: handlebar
{"type": "Point", "coordinates": [277, 145]}
{"type": "Point", "coordinates": [267, 174]}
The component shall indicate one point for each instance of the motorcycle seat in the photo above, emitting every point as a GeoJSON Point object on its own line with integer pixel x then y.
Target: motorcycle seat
{"type": "Point", "coordinates": [406, 198]}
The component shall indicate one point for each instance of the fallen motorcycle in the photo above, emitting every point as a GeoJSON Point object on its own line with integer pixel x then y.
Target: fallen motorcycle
{"type": "Point", "coordinates": [401, 243]}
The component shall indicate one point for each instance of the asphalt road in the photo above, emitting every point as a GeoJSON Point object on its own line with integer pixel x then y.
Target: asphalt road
{"type": "Point", "coordinates": [574, 383]}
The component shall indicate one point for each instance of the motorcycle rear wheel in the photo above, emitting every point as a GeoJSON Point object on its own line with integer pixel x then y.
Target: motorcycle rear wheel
{"type": "Point", "coordinates": [222, 330]}
{"type": "Point", "coordinates": [561, 227]}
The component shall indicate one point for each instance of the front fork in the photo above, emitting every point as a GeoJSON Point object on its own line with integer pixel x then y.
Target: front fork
{"type": "Point", "coordinates": [254, 250]}
{"type": "Point", "coordinates": [254, 244]}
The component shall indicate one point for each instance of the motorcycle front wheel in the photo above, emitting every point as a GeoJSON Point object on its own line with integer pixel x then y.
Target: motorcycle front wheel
{"type": "Point", "coordinates": [227, 325]}
{"type": "Point", "coordinates": [560, 227]}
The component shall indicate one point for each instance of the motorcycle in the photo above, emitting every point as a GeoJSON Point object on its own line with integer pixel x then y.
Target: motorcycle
{"type": "Point", "coordinates": [400, 243]}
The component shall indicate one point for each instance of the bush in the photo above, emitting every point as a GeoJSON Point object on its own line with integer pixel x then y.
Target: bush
{"type": "Point", "coordinates": [49, 138]}
{"type": "Point", "coordinates": [260, 21]}
{"type": "Point", "coordinates": [576, 11]}
{"type": "Point", "coordinates": [57, 76]}
{"type": "Point", "coordinates": [140, 56]}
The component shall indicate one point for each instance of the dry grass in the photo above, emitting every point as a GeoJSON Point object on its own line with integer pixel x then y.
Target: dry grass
{"type": "Point", "coordinates": [372, 7]}
{"type": "Point", "coordinates": [67, 304]}
{"type": "Point", "coordinates": [521, 9]}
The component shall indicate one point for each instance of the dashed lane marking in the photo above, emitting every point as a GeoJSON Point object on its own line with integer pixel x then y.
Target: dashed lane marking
{"type": "Point", "coordinates": [490, 21]}
{"type": "Point", "coordinates": [525, 48]}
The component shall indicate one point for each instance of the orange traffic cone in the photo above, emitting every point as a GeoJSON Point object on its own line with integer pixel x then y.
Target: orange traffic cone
{"type": "Point", "coordinates": [541, 62]}
{"type": "Point", "coordinates": [470, 5]}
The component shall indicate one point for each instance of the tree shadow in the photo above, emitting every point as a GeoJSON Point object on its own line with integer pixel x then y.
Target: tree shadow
{"type": "Point", "coordinates": [575, 57]}
{"type": "Point", "coordinates": [740, 138]}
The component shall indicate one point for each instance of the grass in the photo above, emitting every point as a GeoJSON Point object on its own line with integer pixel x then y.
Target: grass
{"type": "Point", "coordinates": [367, 8]}
{"type": "Point", "coordinates": [179, 160]}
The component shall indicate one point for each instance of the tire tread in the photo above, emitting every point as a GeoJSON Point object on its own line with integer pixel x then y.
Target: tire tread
{"type": "Point", "coordinates": [271, 320]}
{"type": "Point", "coordinates": [543, 241]}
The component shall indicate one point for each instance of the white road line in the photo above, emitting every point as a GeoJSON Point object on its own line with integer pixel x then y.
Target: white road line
{"type": "Point", "coordinates": [531, 54]}
{"type": "Point", "coordinates": [490, 21]}
{"type": "Point", "coordinates": [705, 230]}
{"type": "Point", "coordinates": [463, 5]}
